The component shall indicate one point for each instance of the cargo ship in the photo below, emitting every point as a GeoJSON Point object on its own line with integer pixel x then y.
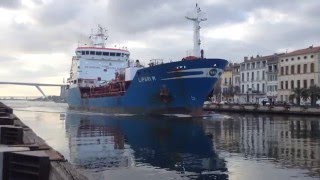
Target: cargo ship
{"type": "Point", "coordinates": [104, 79]}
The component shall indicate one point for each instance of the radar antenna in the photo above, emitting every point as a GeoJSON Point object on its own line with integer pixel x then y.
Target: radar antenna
{"type": "Point", "coordinates": [197, 16]}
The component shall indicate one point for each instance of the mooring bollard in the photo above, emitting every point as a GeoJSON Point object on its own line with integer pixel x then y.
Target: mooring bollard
{"type": "Point", "coordinates": [11, 135]}
{"type": "Point", "coordinates": [26, 165]}
{"type": "Point", "coordinates": [6, 121]}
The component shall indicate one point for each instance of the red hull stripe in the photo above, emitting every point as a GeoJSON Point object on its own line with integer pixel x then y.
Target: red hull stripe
{"type": "Point", "coordinates": [87, 48]}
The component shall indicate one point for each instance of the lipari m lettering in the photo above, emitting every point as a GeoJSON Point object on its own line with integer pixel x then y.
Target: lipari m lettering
{"type": "Point", "coordinates": [146, 79]}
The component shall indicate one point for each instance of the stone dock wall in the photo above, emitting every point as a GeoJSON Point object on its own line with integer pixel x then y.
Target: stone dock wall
{"type": "Point", "coordinates": [60, 168]}
{"type": "Point", "coordinates": [294, 110]}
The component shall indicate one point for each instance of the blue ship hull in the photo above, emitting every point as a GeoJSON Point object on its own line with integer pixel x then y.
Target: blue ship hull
{"type": "Point", "coordinates": [188, 84]}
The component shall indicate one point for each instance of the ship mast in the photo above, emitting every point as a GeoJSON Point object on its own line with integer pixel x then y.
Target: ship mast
{"type": "Point", "coordinates": [99, 38]}
{"type": "Point", "coordinates": [196, 18]}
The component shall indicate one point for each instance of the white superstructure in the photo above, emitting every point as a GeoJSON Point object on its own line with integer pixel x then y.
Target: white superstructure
{"type": "Point", "coordinates": [95, 64]}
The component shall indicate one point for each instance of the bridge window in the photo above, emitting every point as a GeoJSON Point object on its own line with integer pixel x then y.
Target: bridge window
{"type": "Point", "coordinates": [106, 53]}
{"type": "Point", "coordinates": [74, 81]}
{"type": "Point", "coordinates": [92, 52]}
{"type": "Point", "coordinates": [98, 53]}
{"type": "Point", "coordinates": [112, 54]}
{"type": "Point", "coordinates": [118, 54]}
{"type": "Point", "coordinates": [87, 52]}
{"type": "Point", "coordinates": [83, 52]}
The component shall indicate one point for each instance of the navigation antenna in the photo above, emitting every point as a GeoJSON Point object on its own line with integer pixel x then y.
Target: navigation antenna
{"type": "Point", "coordinates": [197, 16]}
{"type": "Point", "coordinates": [99, 38]}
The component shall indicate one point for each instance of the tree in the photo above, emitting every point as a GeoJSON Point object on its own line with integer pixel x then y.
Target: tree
{"type": "Point", "coordinates": [217, 89]}
{"type": "Point", "coordinates": [305, 94]}
{"type": "Point", "coordinates": [229, 93]}
{"type": "Point", "coordinates": [314, 93]}
{"type": "Point", "coordinates": [300, 92]}
{"type": "Point", "coordinates": [292, 97]}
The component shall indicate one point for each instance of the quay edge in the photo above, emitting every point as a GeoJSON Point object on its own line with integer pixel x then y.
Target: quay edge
{"type": "Point", "coordinates": [286, 110]}
{"type": "Point", "coordinates": [60, 168]}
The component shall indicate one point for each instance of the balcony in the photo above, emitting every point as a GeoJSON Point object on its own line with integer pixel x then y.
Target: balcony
{"type": "Point", "coordinates": [272, 72]}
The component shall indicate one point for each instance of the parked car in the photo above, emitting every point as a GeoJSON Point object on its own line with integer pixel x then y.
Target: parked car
{"type": "Point", "coordinates": [280, 103]}
{"type": "Point", "coordinates": [306, 103]}
{"type": "Point", "coordinates": [223, 102]}
{"type": "Point", "coordinates": [207, 103]}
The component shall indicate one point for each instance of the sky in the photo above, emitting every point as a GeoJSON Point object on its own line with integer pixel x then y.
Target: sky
{"type": "Point", "coordinates": [38, 37]}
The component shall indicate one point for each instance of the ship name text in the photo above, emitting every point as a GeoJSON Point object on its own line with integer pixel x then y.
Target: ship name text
{"type": "Point", "coordinates": [146, 79]}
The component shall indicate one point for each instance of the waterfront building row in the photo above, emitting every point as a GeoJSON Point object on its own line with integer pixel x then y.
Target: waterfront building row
{"type": "Point", "coordinates": [271, 78]}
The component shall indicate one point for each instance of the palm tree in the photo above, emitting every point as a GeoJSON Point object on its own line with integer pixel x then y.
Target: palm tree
{"type": "Point", "coordinates": [298, 93]}
{"type": "Point", "coordinates": [314, 92]}
{"type": "Point", "coordinates": [305, 94]}
{"type": "Point", "coordinates": [292, 97]}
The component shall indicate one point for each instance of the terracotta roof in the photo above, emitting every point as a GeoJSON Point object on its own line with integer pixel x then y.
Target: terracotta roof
{"type": "Point", "coordinates": [273, 61]}
{"type": "Point", "coordinates": [262, 58]}
{"type": "Point", "coordinates": [308, 50]}
{"type": "Point", "coordinates": [236, 65]}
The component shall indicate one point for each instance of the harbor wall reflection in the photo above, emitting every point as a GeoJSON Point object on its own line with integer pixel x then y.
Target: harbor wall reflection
{"type": "Point", "coordinates": [286, 140]}
{"type": "Point", "coordinates": [175, 144]}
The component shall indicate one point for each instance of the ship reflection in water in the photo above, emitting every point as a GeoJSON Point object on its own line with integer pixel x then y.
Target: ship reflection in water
{"type": "Point", "coordinates": [215, 147]}
{"type": "Point", "coordinates": [177, 145]}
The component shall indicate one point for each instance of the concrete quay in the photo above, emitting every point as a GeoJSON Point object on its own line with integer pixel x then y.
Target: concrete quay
{"type": "Point", "coordinates": [25, 155]}
{"type": "Point", "coordinates": [291, 110]}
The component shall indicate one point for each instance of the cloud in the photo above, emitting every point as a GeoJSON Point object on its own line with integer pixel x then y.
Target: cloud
{"type": "Point", "coordinates": [55, 13]}
{"type": "Point", "coordinates": [10, 59]}
{"type": "Point", "coordinates": [16, 4]}
{"type": "Point", "coordinates": [142, 15]}
{"type": "Point", "coordinates": [10, 3]}
{"type": "Point", "coordinates": [35, 31]}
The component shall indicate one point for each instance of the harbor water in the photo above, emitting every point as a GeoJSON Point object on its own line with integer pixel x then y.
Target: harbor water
{"type": "Point", "coordinates": [214, 146]}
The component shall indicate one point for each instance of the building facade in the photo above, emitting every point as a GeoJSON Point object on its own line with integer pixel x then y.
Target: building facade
{"type": "Point", "coordinates": [236, 82]}
{"type": "Point", "coordinates": [272, 79]}
{"type": "Point", "coordinates": [254, 79]}
{"type": "Point", "coordinates": [298, 69]}
{"type": "Point", "coordinates": [226, 84]}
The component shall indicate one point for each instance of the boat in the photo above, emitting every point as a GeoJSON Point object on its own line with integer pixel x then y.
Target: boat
{"type": "Point", "coordinates": [105, 79]}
